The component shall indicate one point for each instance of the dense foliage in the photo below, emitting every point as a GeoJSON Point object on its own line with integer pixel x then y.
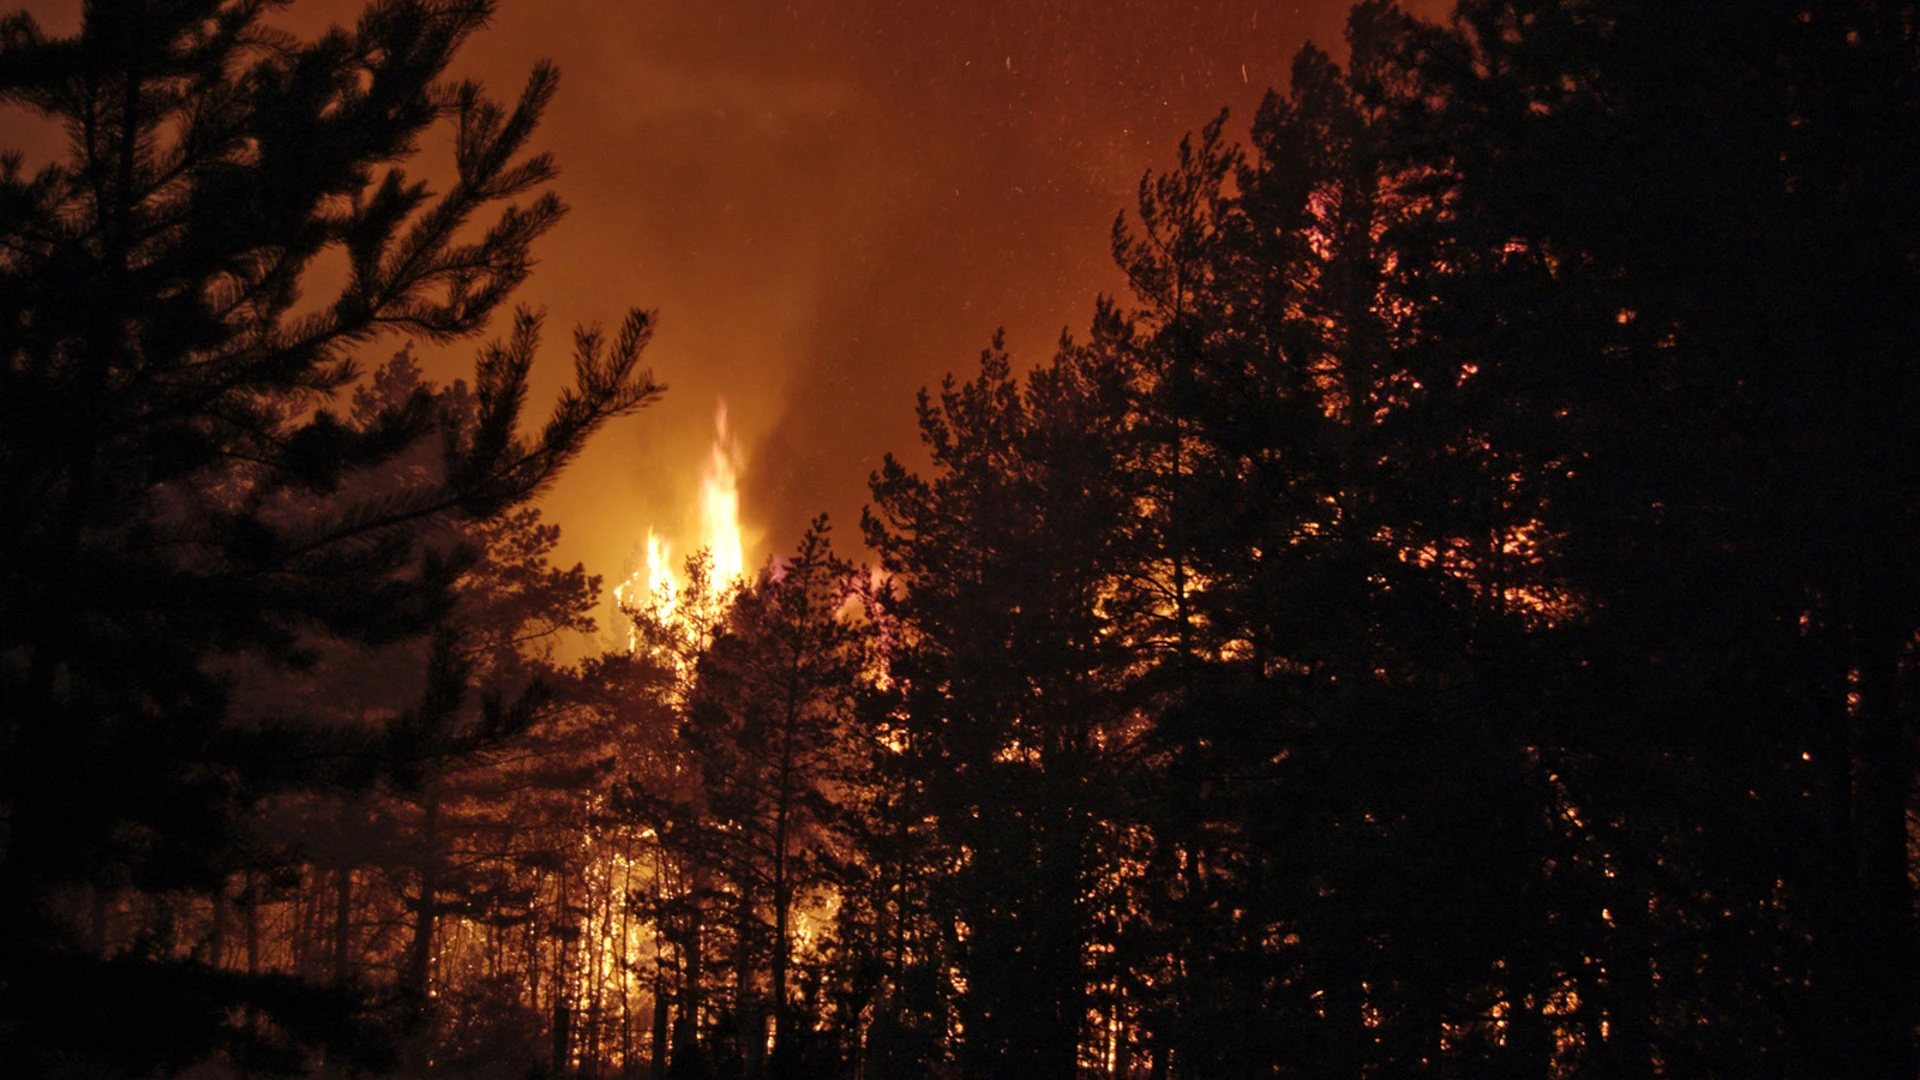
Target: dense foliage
{"type": "Point", "coordinates": [185, 515]}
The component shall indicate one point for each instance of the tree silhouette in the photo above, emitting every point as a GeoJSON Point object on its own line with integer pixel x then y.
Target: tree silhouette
{"type": "Point", "coordinates": [1457, 618]}
{"type": "Point", "coordinates": [178, 492]}
{"type": "Point", "coordinates": [1014, 705]}
{"type": "Point", "coordinates": [1678, 253]}
{"type": "Point", "coordinates": [773, 698]}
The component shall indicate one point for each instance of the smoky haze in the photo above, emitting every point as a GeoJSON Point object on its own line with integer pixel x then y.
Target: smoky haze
{"type": "Point", "coordinates": [831, 205]}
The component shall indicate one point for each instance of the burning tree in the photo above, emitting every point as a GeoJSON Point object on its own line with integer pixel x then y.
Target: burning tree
{"type": "Point", "coordinates": [747, 814]}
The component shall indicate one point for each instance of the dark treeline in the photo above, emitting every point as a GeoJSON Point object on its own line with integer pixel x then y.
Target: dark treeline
{"type": "Point", "coordinates": [1456, 617]}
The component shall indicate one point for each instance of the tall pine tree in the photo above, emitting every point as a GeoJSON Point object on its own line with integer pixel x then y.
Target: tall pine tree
{"type": "Point", "coordinates": [176, 489]}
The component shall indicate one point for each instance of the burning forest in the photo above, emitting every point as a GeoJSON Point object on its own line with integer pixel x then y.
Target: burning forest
{"type": "Point", "coordinates": [1444, 611]}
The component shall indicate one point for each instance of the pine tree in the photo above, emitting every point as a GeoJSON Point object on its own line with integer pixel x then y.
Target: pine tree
{"type": "Point", "coordinates": [1338, 592]}
{"type": "Point", "coordinates": [1680, 248]}
{"type": "Point", "coordinates": [767, 713]}
{"type": "Point", "coordinates": [768, 721]}
{"type": "Point", "coordinates": [178, 493]}
{"type": "Point", "coordinates": [1015, 709]}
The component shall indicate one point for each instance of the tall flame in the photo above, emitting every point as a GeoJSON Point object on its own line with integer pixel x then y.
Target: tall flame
{"type": "Point", "coordinates": [720, 535]}
{"type": "Point", "coordinates": [659, 569]}
{"type": "Point", "coordinates": [720, 507]}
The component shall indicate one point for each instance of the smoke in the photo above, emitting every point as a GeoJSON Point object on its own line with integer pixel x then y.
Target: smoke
{"type": "Point", "coordinates": [836, 203]}
{"type": "Point", "coordinates": [832, 204]}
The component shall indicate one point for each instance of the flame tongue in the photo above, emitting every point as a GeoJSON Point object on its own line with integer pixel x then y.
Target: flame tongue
{"type": "Point", "coordinates": [719, 536]}
{"type": "Point", "coordinates": [660, 586]}
{"type": "Point", "coordinates": [719, 509]}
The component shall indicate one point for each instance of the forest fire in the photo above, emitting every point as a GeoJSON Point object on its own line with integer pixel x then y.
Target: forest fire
{"type": "Point", "coordinates": [1362, 651]}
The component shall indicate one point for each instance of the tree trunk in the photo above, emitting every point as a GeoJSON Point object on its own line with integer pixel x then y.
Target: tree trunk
{"type": "Point", "coordinates": [747, 1008]}
{"type": "Point", "coordinates": [420, 954]}
{"type": "Point", "coordinates": [217, 936]}
{"type": "Point", "coordinates": [342, 925]}
{"type": "Point", "coordinates": [658, 1045]}
{"type": "Point", "coordinates": [686, 1019]}
{"type": "Point", "coordinates": [1881, 989]}
{"type": "Point", "coordinates": [562, 1034]}
{"type": "Point", "coordinates": [1629, 1038]}
{"type": "Point", "coordinates": [250, 901]}
{"type": "Point", "coordinates": [250, 912]}
{"type": "Point", "coordinates": [782, 886]}
{"type": "Point", "coordinates": [782, 904]}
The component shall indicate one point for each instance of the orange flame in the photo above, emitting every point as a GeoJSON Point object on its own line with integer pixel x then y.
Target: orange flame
{"type": "Point", "coordinates": [720, 507]}
{"type": "Point", "coordinates": [720, 537]}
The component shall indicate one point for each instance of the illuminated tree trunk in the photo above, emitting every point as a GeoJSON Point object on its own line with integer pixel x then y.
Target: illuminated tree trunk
{"type": "Point", "coordinates": [599, 950]}
{"type": "Point", "coordinates": [312, 943]}
{"type": "Point", "coordinates": [561, 1028]}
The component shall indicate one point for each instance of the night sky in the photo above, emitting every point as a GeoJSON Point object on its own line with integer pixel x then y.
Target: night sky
{"type": "Point", "coordinates": [832, 204]}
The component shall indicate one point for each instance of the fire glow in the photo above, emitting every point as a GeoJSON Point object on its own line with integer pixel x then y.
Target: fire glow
{"type": "Point", "coordinates": [720, 534]}
{"type": "Point", "coordinates": [720, 507]}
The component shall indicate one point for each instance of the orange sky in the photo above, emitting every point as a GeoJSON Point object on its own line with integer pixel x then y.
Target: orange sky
{"type": "Point", "coordinates": [831, 204]}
